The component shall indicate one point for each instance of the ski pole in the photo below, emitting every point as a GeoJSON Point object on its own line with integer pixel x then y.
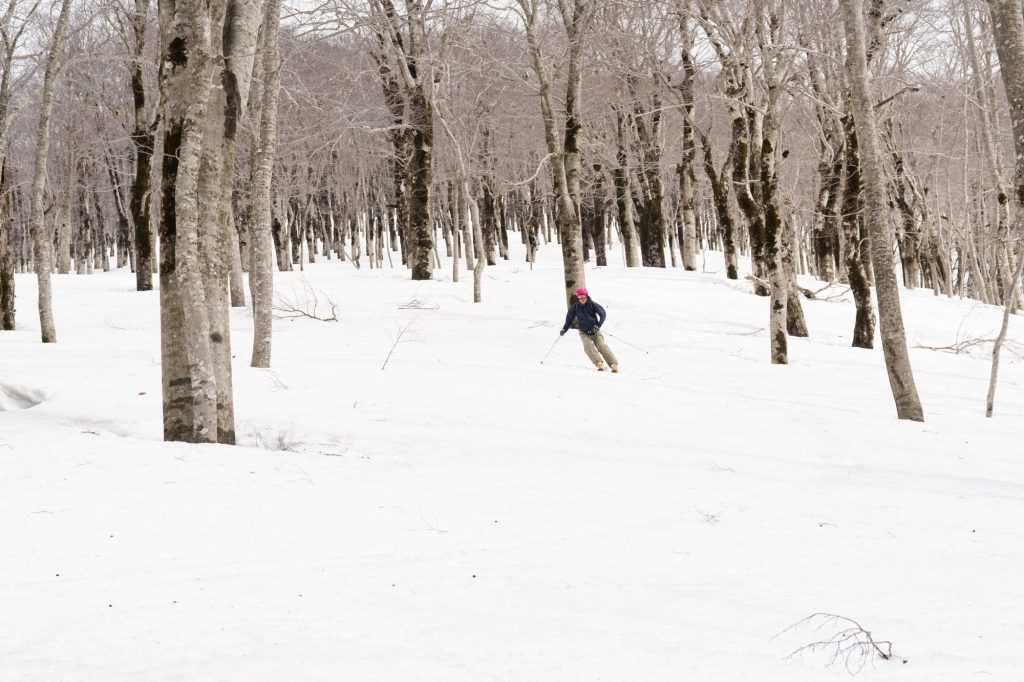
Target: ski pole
{"type": "Point", "coordinates": [627, 342]}
{"type": "Point", "coordinates": [550, 349]}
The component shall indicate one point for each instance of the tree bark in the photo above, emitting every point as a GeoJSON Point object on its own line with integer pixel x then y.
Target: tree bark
{"type": "Point", "coordinates": [852, 211]}
{"type": "Point", "coordinates": [985, 100]}
{"type": "Point", "coordinates": [41, 243]}
{"type": "Point", "coordinates": [143, 139]}
{"type": "Point", "coordinates": [1008, 30]}
{"type": "Point", "coordinates": [234, 26]}
{"type": "Point", "coordinates": [624, 194]}
{"type": "Point", "coordinates": [723, 210]}
{"type": "Point", "coordinates": [652, 220]}
{"type": "Point", "coordinates": [7, 319]}
{"type": "Point", "coordinates": [261, 267]}
{"type": "Point", "coordinates": [421, 226]}
{"type": "Point", "coordinates": [686, 171]}
{"type": "Point", "coordinates": [597, 228]}
{"type": "Point", "coordinates": [194, 402]}
{"type": "Point", "coordinates": [894, 342]}
{"type": "Point", "coordinates": [567, 214]}
{"type": "Point", "coordinates": [11, 35]}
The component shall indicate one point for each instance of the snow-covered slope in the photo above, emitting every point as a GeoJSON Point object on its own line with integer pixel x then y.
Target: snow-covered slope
{"type": "Point", "coordinates": [469, 513]}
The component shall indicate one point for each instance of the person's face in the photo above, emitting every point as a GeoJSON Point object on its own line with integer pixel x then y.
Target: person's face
{"type": "Point", "coordinates": [582, 298]}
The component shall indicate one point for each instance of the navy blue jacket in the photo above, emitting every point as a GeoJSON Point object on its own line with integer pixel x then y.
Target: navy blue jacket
{"type": "Point", "coordinates": [589, 314]}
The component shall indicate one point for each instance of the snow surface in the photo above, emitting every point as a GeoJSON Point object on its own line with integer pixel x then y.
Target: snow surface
{"type": "Point", "coordinates": [469, 513]}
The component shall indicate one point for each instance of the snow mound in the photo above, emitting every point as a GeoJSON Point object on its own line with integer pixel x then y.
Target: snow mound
{"type": "Point", "coordinates": [19, 398]}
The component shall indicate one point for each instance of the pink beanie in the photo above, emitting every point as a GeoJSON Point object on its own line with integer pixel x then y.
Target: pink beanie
{"type": "Point", "coordinates": [581, 291]}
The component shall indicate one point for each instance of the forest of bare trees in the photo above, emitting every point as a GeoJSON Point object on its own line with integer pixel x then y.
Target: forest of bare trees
{"type": "Point", "coordinates": [876, 144]}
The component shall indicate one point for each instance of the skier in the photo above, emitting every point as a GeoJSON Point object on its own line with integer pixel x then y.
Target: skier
{"type": "Point", "coordinates": [589, 316]}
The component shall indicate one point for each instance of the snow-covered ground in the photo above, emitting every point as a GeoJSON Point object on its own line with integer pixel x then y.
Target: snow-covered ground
{"type": "Point", "coordinates": [469, 513]}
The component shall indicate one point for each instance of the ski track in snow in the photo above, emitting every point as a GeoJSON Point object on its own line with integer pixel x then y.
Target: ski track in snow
{"type": "Point", "coordinates": [469, 513]}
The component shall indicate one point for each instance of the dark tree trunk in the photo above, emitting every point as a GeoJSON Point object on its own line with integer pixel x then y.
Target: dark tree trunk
{"type": "Point", "coordinates": [502, 225]}
{"type": "Point", "coordinates": [143, 140]}
{"type": "Point", "coordinates": [864, 324]}
{"type": "Point", "coordinates": [6, 253]}
{"type": "Point", "coordinates": [488, 221]}
{"type": "Point", "coordinates": [624, 195]}
{"type": "Point", "coordinates": [720, 196]}
{"type": "Point", "coordinates": [421, 228]}
{"type": "Point", "coordinates": [177, 382]}
{"type": "Point", "coordinates": [826, 233]}
{"type": "Point", "coordinates": [652, 222]}
{"type": "Point", "coordinates": [598, 218]}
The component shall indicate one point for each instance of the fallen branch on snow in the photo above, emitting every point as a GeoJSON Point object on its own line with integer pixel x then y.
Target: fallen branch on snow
{"type": "Point", "coordinates": [959, 347]}
{"type": "Point", "coordinates": [416, 304]}
{"type": "Point", "coordinates": [287, 308]}
{"type": "Point", "coordinates": [401, 332]}
{"type": "Point", "coordinates": [851, 643]}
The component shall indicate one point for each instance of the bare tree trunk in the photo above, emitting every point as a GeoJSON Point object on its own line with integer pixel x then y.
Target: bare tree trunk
{"type": "Point", "coordinates": [7, 322]}
{"type": "Point", "coordinates": [624, 194]}
{"type": "Point", "coordinates": [40, 235]}
{"type": "Point", "coordinates": [598, 218]}
{"type": "Point", "coordinates": [175, 375]}
{"type": "Point", "coordinates": [574, 17]}
{"type": "Point", "coordinates": [825, 234]}
{"type": "Point", "coordinates": [1011, 286]}
{"type": "Point", "coordinates": [83, 232]}
{"type": "Point", "coordinates": [261, 268]}
{"type": "Point", "coordinates": [852, 212]}
{"type": "Point", "coordinates": [894, 341]}
{"type": "Point", "coordinates": [233, 37]}
{"type": "Point", "coordinates": [455, 208]}
{"type": "Point", "coordinates": [237, 285]}
{"type": "Point", "coordinates": [189, 95]}
{"type": "Point", "coordinates": [240, 45]}
{"type": "Point", "coordinates": [122, 238]}
{"type": "Point", "coordinates": [652, 224]}
{"type": "Point", "coordinates": [1008, 30]}
{"type": "Point", "coordinates": [211, 249]}
{"type": "Point", "coordinates": [774, 234]}
{"type": "Point", "coordinates": [986, 105]}
{"type": "Point", "coordinates": [796, 324]}
{"type": "Point", "coordinates": [143, 140]}
{"type": "Point", "coordinates": [11, 35]}
{"type": "Point", "coordinates": [468, 240]}
{"type": "Point", "coordinates": [409, 43]}
{"type": "Point", "coordinates": [62, 227]}
{"type": "Point", "coordinates": [721, 199]}
{"type": "Point", "coordinates": [421, 229]}
{"type": "Point", "coordinates": [685, 169]}
{"type": "Point", "coordinates": [488, 219]}
{"type": "Point", "coordinates": [478, 241]}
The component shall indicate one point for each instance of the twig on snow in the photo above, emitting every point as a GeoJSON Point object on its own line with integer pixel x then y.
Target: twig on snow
{"type": "Point", "coordinates": [398, 339]}
{"type": "Point", "coordinates": [851, 643]}
{"type": "Point", "coordinates": [416, 304]}
{"type": "Point", "coordinates": [286, 308]}
{"type": "Point", "coordinates": [967, 344]}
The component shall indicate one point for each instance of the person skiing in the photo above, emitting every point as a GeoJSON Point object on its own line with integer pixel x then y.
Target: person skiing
{"type": "Point", "coordinates": [589, 316]}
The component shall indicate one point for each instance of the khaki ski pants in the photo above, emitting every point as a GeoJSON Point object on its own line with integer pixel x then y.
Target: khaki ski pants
{"type": "Point", "coordinates": [595, 347]}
